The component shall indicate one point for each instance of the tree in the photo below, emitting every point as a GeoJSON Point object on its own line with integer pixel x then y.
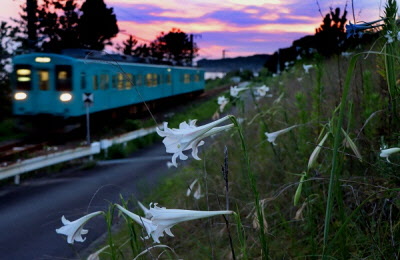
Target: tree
{"type": "Point", "coordinates": [128, 45]}
{"type": "Point", "coordinates": [57, 25]}
{"type": "Point", "coordinates": [60, 24]}
{"type": "Point", "coordinates": [175, 47]}
{"type": "Point", "coordinates": [7, 32]}
{"type": "Point", "coordinates": [97, 25]}
{"type": "Point", "coordinates": [143, 51]}
{"type": "Point", "coordinates": [331, 36]}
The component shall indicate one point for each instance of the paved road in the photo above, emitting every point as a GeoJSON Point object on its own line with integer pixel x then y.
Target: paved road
{"type": "Point", "coordinates": [30, 213]}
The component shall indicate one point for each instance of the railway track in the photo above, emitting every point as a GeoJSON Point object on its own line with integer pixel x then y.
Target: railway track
{"type": "Point", "coordinates": [12, 151]}
{"type": "Point", "coordinates": [16, 150]}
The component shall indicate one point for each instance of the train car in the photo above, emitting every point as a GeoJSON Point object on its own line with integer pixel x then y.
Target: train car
{"type": "Point", "coordinates": [47, 84]}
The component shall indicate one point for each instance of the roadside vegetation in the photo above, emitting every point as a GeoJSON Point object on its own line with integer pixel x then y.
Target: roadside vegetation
{"type": "Point", "coordinates": [310, 172]}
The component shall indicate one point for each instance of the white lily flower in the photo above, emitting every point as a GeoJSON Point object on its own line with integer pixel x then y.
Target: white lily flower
{"type": "Point", "coordinates": [165, 219]}
{"type": "Point", "coordinates": [387, 152]}
{"type": "Point", "coordinates": [272, 136]}
{"type": "Point", "coordinates": [189, 190]}
{"type": "Point", "coordinates": [222, 102]}
{"type": "Point", "coordinates": [74, 230]}
{"type": "Point", "coordinates": [144, 222]}
{"type": "Point", "coordinates": [234, 91]}
{"type": "Point", "coordinates": [198, 142]}
{"type": "Point", "coordinates": [347, 54]}
{"type": "Point", "coordinates": [262, 91]}
{"type": "Point", "coordinates": [197, 194]}
{"type": "Point", "coordinates": [188, 136]}
{"type": "Point", "coordinates": [170, 164]}
{"type": "Point", "coordinates": [240, 120]}
{"type": "Point", "coordinates": [307, 67]}
{"type": "Point", "coordinates": [389, 37]}
{"type": "Point", "coordinates": [316, 152]}
{"type": "Point", "coordinates": [146, 211]}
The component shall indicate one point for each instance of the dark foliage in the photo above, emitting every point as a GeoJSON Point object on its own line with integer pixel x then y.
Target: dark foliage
{"type": "Point", "coordinates": [60, 24]}
{"type": "Point", "coordinates": [6, 33]}
{"type": "Point", "coordinates": [60, 31]}
{"type": "Point", "coordinates": [175, 47]}
{"type": "Point", "coordinates": [329, 39]}
{"type": "Point", "coordinates": [97, 25]}
{"type": "Point", "coordinates": [331, 36]}
{"type": "Point", "coordinates": [129, 45]}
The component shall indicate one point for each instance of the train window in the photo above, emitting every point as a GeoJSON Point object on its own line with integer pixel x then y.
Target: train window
{"type": "Point", "coordinates": [129, 79]}
{"type": "Point", "coordinates": [43, 76]}
{"type": "Point", "coordinates": [104, 80]}
{"type": "Point", "coordinates": [139, 80]}
{"type": "Point", "coordinates": [63, 78]}
{"type": "Point", "coordinates": [186, 78]}
{"type": "Point", "coordinates": [95, 82]}
{"type": "Point", "coordinates": [83, 80]}
{"type": "Point", "coordinates": [168, 79]}
{"type": "Point", "coordinates": [196, 77]}
{"type": "Point", "coordinates": [120, 81]}
{"type": "Point", "coordinates": [23, 77]}
{"type": "Point", "coordinates": [151, 79]}
{"type": "Point", "coordinates": [114, 81]}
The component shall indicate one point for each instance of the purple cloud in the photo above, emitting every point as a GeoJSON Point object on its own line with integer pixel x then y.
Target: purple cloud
{"type": "Point", "coordinates": [146, 14]}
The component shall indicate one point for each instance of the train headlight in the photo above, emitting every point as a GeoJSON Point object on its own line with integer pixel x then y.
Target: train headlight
{"type": "Point", "coordinates": [20, 96]}
{"type": "Point", "coordinates": [65, 97]}
{"type": "Point", "coordinates": [42, 59]}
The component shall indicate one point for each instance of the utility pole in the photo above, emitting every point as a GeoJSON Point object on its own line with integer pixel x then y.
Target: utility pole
{"type": "Point", "coordinates": [278, 69]}
{"type": "Point", "coordinates": [191, 50]}
{"type": "Point", "coordinates": [223, 53]}
{"type": "Point", "coordinates": [31, 7]}
{"type": "Point", "coordinates": [191, 37]}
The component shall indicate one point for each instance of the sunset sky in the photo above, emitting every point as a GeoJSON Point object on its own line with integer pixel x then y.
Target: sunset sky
{"type": "Point", "coordinates": [241, 27]}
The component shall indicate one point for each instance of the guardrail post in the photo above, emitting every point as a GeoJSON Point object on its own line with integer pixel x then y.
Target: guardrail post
{"type": "Point", "coordinates": [104, 145]}
{"type": "Point", "coordinates": [17, 179]}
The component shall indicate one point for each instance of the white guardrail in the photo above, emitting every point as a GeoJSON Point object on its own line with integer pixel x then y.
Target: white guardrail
{"type": "Point", "coordinates": [24, 166]}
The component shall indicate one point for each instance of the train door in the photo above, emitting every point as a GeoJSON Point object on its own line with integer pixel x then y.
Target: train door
{"type": "Point", "coordinates": [44, 100]}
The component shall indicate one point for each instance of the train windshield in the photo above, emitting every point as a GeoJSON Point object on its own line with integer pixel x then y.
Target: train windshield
{"type": "Point", "coordinates": [43, 79]}
{"type": "Point", "coordinates": [63, 78]}
{"type": "Point", "coordinates": [23, 77]}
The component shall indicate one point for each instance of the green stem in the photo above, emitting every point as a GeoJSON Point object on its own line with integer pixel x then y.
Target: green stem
{"type": "Point", "coordinates": [109, 217]}
{"type": "Point", "coordinates": [336, 155]}
{"type": "Point", "coordinates": [250, 175]}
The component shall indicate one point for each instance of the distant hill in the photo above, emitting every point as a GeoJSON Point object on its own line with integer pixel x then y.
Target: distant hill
{"type": "Point", "coordinates": [253, 63]}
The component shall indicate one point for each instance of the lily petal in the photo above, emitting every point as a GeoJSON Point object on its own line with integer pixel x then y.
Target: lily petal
{"type": "Point", "coordinates": [74, 229]}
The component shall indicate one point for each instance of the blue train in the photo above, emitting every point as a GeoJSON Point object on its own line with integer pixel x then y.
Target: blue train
{"type": "Point", "coordinates": [57, 84]}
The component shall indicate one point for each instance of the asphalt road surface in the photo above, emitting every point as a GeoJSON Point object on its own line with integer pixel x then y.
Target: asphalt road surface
{"type": "Point", "coordinates": [30, 213]}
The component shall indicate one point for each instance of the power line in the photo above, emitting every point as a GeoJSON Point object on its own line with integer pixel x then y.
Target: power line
{"type": "Point", "coordinates": [134, 36]}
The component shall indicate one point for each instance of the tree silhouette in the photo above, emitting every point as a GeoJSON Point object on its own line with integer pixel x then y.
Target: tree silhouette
{"type": "Point", "coordinates": [7, 32]}
{"type": "Point", "coordinates": [97, 25]}
{"type": "Point", "coordinates": [331, 36]}
{"type": "Point", "coordinates": [128, 45]}
{"type": "Point", "coordinates": [175, 47]}
{"type": "Point", "coordinates": [58, 28]}
{"type": "Point", "coordinates": [60, 24]}
{"type": "Point", "coordinates": [143, 51]}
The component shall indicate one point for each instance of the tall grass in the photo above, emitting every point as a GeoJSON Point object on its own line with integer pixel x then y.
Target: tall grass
{"type": "Point", "coordinates": [321, 192]}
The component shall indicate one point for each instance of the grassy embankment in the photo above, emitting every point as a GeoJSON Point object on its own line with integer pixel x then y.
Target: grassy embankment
{"type": "Point", "coordinates": [341, 204]}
